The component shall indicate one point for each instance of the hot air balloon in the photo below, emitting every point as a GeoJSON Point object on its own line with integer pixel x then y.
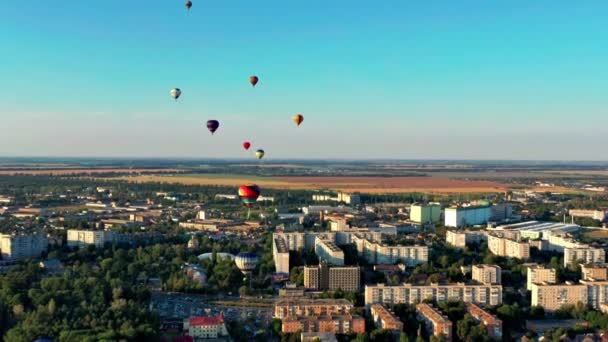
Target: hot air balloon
{"type": "Point", "coordinates": [253, 80]}
{"type": "Point", "coordinates": [249, 194]}
{"type": "Point", "coordinates": [246, 145]}
{"type": "Point", "coordinates": [259, 153]}
{"type": "Point", "coordinates": [246, 262]}
{"type": "Point", "coordinates": [175, 93]}
{"type": "Point", "coordinates": [188, 5]}
{"type": "Point", "coordinates": [298, 119]}
{"type": "Point", "coordinates": [213, 125]}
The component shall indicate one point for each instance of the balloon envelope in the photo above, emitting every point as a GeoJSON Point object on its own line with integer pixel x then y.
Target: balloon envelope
{"type": "Point", "coordinates": [298, 119]}
{"type": "Point", "coordinates": [259, 153]}
{"type": "Point", "coordinates": [249, 194]}
{"type": "Point", "coordinates": [246, 262]}
{"type": "Point", "coordinates": [213, 125]}
{"type": "Point", "coordinates": [188, 4]}
{"type": "Point", "coordinates": [246, 145]}
{"type": "Point", "coordinates": [253, 80]}
{"type": "Point", "coordinates": [175, 93]}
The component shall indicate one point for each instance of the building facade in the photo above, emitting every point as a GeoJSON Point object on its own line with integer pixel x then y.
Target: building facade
{"type": "Point", "coordinates": [584, 254]}
{"type": "Point", "coordinates": [329, 252]}
{"type": "Point", "coordinates": [538, 274]}
{"type": "Point", "coordinates": [491, 322]}
{"type": "Point", "coordinates": [206, 327]}
{"type": "Point", "coordinates": [467, 216]}
{"type": "Point", "coordinates": [594, 271]}
{"type": "Point", "coordinates": [433, 321]}
{"type": "Point", "coordinates": [311, 307]}
{"type": "Point", "coordinates": [461, 239]}
{"type": "Point", "coordinates": [324, 277]}
{"type": "Point", "coordinates": [337, 324]}
{"type": "Point", "coordinates": [280, 255]}
{"type": "Point", "coordinates": [553, 296]}
{"type": "Point", "coordinates": [487, 274]}
{"type": "Point", "coordinates": [425, 213]}
{"type": "Point", "coordinates": [377, 253]}
{"type": "Point", "coordinates": [384, 319]}
{"type": "Point", "coordinates": [508, 248]}
{"type": "Point", "coordinates": [412, 294]}
{"type": "Point", "coordinates": [82, 238]}
{"type": "Point", "coordinates": [22, 246]}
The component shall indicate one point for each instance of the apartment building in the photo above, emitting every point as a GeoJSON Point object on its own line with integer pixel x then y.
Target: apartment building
{"type": "Point", "coordinates": [329, 252]}
{"type": "Point", "coordinates": [425, 213]}
{"type": "Point", "coordinates": [584, 254]}
{"type": "Point", "coordinates": [491, 322]}
{"type": "Point", "coordinates": [82, 238]}
{"type": "Point", "coordinates": [594, 271]}
{"type": "Point", "coordinates": [597, 294]}
{"type": "Point", "coordinates": [22, 246]}
{"type": "Point", "coordinates": [460, 239]}
{"type": "Point", "coordinates": [434, 322]}
{"type": "Point", "coordinates": [487, 274]}
{"type": "Point", "coordinates": [412, 294]}
{"type": "Point", "coordinates": [553, 296]}
{"type": "Point", "coordinates": [335, 324]}
{"type": "Point", "coordinates": [384, 319]}
{"type": "Point", "coordinates": [539, 274]}
{"type": "Point", "coordinates": [311, 307]}
{"type": "Point", "coordinates": [325, 277]}
{"type": "Point", "coordinates": [378, 253]}
{"type": "Point", "coordinates": [508, 248]}
{"type": "Point", "coordinates": [280, 255]}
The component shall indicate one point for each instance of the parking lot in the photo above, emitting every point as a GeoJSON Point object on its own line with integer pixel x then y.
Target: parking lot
{"type": "Point", "coordinates": [178, 306]}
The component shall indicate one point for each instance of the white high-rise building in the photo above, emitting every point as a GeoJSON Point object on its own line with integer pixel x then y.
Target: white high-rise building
{"type": "Point", "coordinates": [15, 247]}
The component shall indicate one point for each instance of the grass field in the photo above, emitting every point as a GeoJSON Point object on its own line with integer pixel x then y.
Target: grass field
{"type": "Point", "coordinates": [351, 184]}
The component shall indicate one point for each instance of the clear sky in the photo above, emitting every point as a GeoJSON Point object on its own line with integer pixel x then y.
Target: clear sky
{"type": "Point", "coordinates": [463, 79]}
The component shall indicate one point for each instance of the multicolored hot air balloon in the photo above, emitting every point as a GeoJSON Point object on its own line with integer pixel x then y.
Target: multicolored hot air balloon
{"type": "Point", "coordinates": [175, 93]}
{"type": "Point", "coordinates": [188, 5]}
{"type": "Point", "coordinates": [259, 153]}
{"type": "Point", "coordinates": [246, 145]}
{"type": "Point", "coordinates": [298, 119]}
{"type": "Point", "coordinates": [249, 194]}
{"type": "Point", "coordinates": [253, 80]}
{"type": "Point", "coordinates": [213, 125]}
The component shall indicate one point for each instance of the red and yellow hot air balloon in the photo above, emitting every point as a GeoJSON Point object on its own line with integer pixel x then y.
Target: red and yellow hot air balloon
{"type": "Point", "coordinates": [253, 80]}
{"type": "Point", "coordinates": [298, 119]}
{"type": "Point", "coordinates": [249, 194]}
{"type": "Point", "coordinates": [246, 145]}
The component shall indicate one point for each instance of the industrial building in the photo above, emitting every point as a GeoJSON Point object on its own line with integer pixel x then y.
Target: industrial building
{"type": "Point", "coordinates": [467, 215]}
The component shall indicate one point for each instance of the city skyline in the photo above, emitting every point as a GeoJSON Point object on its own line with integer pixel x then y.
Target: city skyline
{"type": "Point", "coordinates": [399, 81]}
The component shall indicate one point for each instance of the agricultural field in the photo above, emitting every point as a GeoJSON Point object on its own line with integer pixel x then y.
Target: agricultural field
{"type": "Point", "coordinates": [350, 184]}
{"type": "Point", "coordinates": [67, 171]}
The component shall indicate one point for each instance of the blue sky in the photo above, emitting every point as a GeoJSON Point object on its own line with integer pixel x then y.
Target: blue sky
{"type": "Point", "coordinates": [374, 79]}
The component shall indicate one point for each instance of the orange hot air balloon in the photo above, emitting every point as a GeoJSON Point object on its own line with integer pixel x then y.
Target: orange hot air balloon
{"type": "Point", "coordinates": [298, 119]}
{"type": "Point", "coordinates": [246, 145]}
{"type": "Point", "coordinates": [253, 80]}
